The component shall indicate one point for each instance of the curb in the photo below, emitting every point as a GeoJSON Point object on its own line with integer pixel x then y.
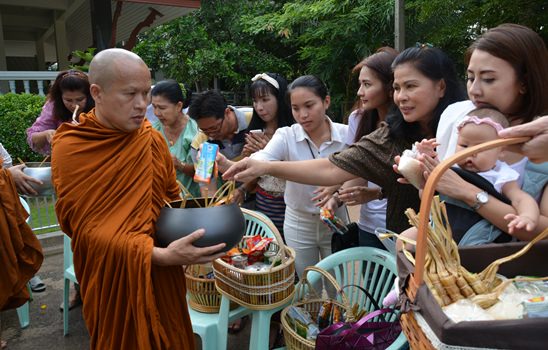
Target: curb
{"type": "Point", "coordinates": [52, 242]}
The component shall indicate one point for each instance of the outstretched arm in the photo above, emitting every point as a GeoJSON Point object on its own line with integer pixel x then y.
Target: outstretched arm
{"type": "Point", "coordinates": [534, 149]}
{"type": "Point", "coordinates": [319, 172]}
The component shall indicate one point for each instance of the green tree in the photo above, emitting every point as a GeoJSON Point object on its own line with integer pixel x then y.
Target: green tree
{"type": "Point", "coordinates": [330, 37]}
{"type": "Point", "coordinates": [209, 44]}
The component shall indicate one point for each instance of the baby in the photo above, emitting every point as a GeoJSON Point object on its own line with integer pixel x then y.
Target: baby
{"type": "Point", "coordinates": [480, 126]}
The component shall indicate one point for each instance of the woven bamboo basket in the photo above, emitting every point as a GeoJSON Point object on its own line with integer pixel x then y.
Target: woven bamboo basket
{"type": "Point", "coordinates": [202, 294]}
{"type": "Point", "coordinates": [294, 341]}
{"type": "Point", "coordinates": [258, 290]}
{"type": "Point", "coordinates": [414, 333]}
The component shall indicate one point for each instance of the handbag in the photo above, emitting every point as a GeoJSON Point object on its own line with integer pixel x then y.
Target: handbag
{"type": "Point", "coordinates": [364, 334]}
{"type": "Point", "coordinates": [348, 239]}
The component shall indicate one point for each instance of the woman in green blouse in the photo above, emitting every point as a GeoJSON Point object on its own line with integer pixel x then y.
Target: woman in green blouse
{"type": "Point", "coordinates": [178, 129]}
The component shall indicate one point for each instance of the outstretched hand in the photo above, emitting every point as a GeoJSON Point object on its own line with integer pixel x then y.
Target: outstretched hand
{"type": "Point", "coordinates": [183, 252]}
{"type": "Point", "coordinates": [534, 149]}
{"type": "Point", "coordinates": [23, 181]}
{"type": "Point", "coordinates": [246, 170]}
{"type": "Point", "coordinates": [356, 195]}
{"type": "Point", "coordinates": [323, 194]}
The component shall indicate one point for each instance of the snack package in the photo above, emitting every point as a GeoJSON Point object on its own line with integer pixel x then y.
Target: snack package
{"type": "Point", "coordinates": [536, 307]}
{"type": "Point", "coordinates": [302, 322]}
{"type": "Point", "coordinates": [207, 167]}
{"type": "Point", "coordinates": [324, 315]}
{"type": "Point", "coordinates": [334, 223]}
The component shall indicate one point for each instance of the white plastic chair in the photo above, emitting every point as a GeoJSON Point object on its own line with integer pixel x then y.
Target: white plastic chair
{"type": "Point", "coordinates": [68, 276]}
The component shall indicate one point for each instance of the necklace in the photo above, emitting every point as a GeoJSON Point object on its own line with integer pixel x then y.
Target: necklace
{"type": "Point", "coordinates": [172, 135]}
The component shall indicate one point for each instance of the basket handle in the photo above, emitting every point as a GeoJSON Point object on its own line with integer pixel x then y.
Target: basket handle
{"type": "Point", "coordinates": [428, 195]}
{"type": "Point", "coordinates": [334, 283]}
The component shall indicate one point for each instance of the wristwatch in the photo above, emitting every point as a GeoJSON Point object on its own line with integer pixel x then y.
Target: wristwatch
{"type": "Point", "coordinates": [481, 199]}
{"type": "Point", "coordinates": [244, 192]}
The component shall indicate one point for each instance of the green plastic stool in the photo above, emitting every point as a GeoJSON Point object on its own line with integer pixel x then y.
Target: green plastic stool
{"type": "Point", "coordinates": [213, 328]}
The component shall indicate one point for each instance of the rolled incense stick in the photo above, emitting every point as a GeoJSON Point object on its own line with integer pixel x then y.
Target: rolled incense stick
{"type": "Point", "coordinates": [20, 161]}
{"type": "Point", "coordinates": [74, 114]}
{"type": "Point", "coordinates": [42, 162]}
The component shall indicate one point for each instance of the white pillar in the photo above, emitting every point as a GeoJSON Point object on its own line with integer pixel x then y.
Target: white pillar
{"type": "Point", "coordinates": [61, 41]}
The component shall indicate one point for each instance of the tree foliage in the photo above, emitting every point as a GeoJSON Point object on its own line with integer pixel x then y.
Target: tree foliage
{"type": "Point", "coordinates": [17, 113]}
{"type": "Point", "coordinates": [234, 40]}
{"type": "Point", "coordinates": [210, 43]}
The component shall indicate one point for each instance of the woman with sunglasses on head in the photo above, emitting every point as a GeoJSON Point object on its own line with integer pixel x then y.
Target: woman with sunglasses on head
{"type": "Point", "coordinates": [69, 91]}
{"type": "Point", "coordinates": [270, 112]}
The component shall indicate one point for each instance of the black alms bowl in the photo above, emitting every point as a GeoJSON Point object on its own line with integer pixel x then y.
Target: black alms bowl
{"type": "Point", "coordinates": [222, 224]}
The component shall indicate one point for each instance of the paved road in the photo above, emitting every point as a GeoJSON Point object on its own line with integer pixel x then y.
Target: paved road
{"type": "Point", "coordinates": [46, 321]}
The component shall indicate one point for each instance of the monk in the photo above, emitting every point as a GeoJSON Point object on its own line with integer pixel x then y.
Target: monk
{"type": "Point", "coordinates": [20, 251]}
{"type": "Point", "coordinates": [113, 173]}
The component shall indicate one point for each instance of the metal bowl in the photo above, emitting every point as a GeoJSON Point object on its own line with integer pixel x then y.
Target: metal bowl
{"type": "Point", "coordinates": [222, 224]}
{"type": "Point", "coordinates": [42, 173]}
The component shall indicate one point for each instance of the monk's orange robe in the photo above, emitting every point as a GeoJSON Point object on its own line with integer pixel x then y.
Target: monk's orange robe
{"type": "Point", "coordinates": [20, 251]}
{"type": "Point", "coordinates": [110, 187]}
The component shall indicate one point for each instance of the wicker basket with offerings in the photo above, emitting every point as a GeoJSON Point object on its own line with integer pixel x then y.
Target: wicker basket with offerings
{"type": "Point", "coordinates": [260, 272]}
{"type": "Point", "coordinates": [309, 313]}
{"type": "Point", "coordinates": [441, 274]}
{"type": "Point", "coordinates": [200, 285]}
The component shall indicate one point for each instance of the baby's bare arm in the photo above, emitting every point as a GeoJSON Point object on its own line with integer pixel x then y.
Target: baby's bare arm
{"type": "Point", "coordinates": [527, 209]}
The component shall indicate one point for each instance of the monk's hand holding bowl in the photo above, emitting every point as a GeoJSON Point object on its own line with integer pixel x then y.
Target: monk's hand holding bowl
{"type": "Point", "coordinates": [23, 181]}
{"type": "Point", "coordinates": [183, 252]}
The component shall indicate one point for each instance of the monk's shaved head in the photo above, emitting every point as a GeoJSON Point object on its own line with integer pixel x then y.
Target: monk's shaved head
{"type": "Point", "coordinates": [120, 86]}
{"type": "Point", "coordinates": [109, 64]}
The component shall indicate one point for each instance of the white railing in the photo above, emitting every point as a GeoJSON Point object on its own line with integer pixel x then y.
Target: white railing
{"type": "Point", "coordinates": [26, 77]}
{"type": "Point", "coordinates": [42, 216]}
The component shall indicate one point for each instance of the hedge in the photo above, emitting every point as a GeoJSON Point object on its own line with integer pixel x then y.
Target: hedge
{"type": "Point", "coordinates": [17, 113]}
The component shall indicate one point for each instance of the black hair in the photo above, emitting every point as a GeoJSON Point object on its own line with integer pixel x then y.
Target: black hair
{"type": "Point", "coordinates": [207, 104]}
{"type": "Point", "coordinates": [436, 66]}
{"type": "Point", "coordinates": [173, 92]}
{"type": "Point", "coordinates": [310, 82]}
{"type": "Point", "coordinates": [69, 80]}
{"type": "Point", "coordinates": [261, 87]}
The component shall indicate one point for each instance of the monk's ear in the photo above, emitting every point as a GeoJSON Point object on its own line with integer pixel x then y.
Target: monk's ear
{"type": "Point", "coordinates": [95, 92]}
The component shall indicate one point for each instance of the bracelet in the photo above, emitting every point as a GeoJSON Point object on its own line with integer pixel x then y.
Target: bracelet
{"type": "Point", "coordinates": [244, 191]}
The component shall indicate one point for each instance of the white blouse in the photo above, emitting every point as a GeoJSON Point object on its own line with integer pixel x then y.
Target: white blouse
{"type": "Point", "coordinates": [289, 144]}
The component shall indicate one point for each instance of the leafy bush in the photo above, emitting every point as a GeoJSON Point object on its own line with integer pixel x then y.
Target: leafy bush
{"type": "Point", "coordinates": [17, 113]}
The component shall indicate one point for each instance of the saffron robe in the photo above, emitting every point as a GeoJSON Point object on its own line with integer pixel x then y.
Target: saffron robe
{"type": "Point", "coordinates": [20, 251]}
{"type": "Point", "coordinates": [110, 187]}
